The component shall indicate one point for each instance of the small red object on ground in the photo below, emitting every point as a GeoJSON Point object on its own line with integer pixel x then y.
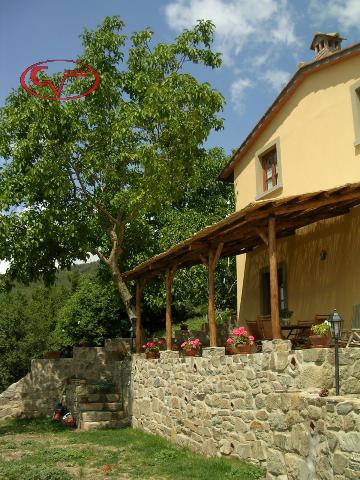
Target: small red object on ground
{"type": "Point", "coordinates": [106, 468]}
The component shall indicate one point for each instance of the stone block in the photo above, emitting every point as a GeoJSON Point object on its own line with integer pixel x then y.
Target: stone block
{"type": "Point", "coordinates": [298, 469]}
{"type": "Point", "coordinates": [349, 442]}
{"type": "Point", "coordinates": [210, 352]}
{"type": "Point", "coordinates": [279, 360]}
{"type": "Point", "coordinates": [352, 385]}
{"type": "Point", "coordinates": [340, 462]}
{"type": "Point", "coordinates": [243, 450]}
{"type": "Point", "coordinates": [226, 447]}
{"type": "Point", "coordinates": [261, 415]}
{"type": "Point", "coordinates": [260, 401]}
{"type": "Point", "coordinates": [314, 412]}
{"type": "Point", "coordinates": [344, 408]}
{"type": "Point", "coordinates": [315, 355]}
{"type": "Point", "coordinates": [300, 440]}
{"type": "Point", "coordinates": [241, 426]}
{"type": "Point", "coordinates": [282, 441]}
{"type": "Point", "coordinates": [275, 462]}
{"type": "Point", "coordinates": [169, 355]}
{"type": "Point", "coordinates": [313, 376]}
{"type": "Point", "coordinates": [277, 421]}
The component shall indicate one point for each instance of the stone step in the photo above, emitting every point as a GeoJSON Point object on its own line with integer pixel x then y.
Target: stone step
{"type": "Point", "coordinates": [96, 416]}
{"type": "Point", "coordinates": [100, 397]}
{"type": "Point", "coordinates": [101, 406]}
{"type": "Point", "coordinates": [105, 424]}
{"type": "Point", "coordinates": [95, 389]}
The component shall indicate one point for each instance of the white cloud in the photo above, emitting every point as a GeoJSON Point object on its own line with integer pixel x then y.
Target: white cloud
{"type": "Point", "coordinates": [276, 78]}
{"type": "Point", "coordinates": [346, 13]}
{"type": "Point", "coordinates": [239, 23]}
{"type": "Point", "coordinates": [237, 90]}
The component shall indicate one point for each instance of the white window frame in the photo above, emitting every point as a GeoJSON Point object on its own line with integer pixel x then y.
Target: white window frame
{"type": "Point", "coordinates": [355, 101]}
{"type": "Point", "coordinates": [260, 193]}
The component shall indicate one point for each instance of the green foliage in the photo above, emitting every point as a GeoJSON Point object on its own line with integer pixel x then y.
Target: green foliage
{"type": "Point", "coordinates": [82, 306]}
{"type": "Point", "coordinates": [92, 314]}
{"type": "Point", "coordinates": [322, 329]}
{"type": "Point", "coordinates": [200, 207]}
{"type": "Point", "coordinates": [26, 323]}
{"type": "Point", "coordinates": [78, 174]}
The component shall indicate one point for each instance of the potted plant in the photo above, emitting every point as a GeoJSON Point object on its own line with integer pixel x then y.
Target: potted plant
{"type": "Point", "coordinates": [239, 341]}
{"type": "Point", "coordinates": [285, 315]}
{"type": "Point", "coordinates": [191, 348]}
{"type": "Point", "coordinates": [152, 349]}
{"type": "Point", "coordinates": [320, 337]}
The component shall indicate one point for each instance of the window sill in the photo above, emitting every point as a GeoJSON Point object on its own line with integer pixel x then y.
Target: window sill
{"type": "Point", "coordinates": [268, 193]}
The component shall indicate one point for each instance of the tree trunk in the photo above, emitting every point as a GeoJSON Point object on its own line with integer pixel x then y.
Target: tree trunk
{"type": "Point", "coordinates": [125, 295]}
{"type": "Point", "coordinates": [116, 236]}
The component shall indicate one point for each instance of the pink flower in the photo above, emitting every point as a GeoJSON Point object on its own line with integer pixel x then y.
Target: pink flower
{"type": "Point", "coordinates": [229, 341]}
{"type": "Point", "coordinates": [183, 345]}
{"type": "Point", "coordinates": [150, 344]}
{"type": "Point", "coordinates": [251, 338]}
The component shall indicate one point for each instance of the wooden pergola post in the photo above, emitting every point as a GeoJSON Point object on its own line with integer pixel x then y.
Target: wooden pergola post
{"type": "Point", "coordinates": [140, 284]}
{"type": "Point", "coordinates": [169, 278]}
{"type": "Point", "coordinates": [213, 259]}
{"type": "Point", "coordinates": [274, 288]}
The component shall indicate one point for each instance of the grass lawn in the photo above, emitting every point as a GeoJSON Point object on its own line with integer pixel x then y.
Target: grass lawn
{"type": "Point", "coordinates": [44, 450]}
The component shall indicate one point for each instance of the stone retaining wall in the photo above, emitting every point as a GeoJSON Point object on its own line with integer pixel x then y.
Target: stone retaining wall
{"type": "Point", "coordinates": [263, 408]}
{"type": "Point", "coordinates": [36, 394]}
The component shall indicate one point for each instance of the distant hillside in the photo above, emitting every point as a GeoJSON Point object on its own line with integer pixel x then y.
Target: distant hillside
{"type": "Point", "coordinates": [63, 279]}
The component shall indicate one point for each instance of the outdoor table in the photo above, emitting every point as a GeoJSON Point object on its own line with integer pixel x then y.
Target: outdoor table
{"type": "Point", "coordinates": [295, 327]}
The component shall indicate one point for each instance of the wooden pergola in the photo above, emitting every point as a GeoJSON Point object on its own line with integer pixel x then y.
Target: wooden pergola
{"type": "Point", "coordinates": [257, 224]}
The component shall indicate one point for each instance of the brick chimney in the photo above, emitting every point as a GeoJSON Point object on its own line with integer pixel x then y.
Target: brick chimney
{"type": "Point", "coordinates": [325, 44]}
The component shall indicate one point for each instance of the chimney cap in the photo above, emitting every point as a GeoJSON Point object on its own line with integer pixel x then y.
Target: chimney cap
{"type": "Point", "coordinates": [322, 35]}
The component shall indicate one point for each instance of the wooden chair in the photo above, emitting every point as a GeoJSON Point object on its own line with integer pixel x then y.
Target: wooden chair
{"type": "Point", "coordinates": [254, 329]}
{"type": "Point", "coordinates": [264, 326]}
{"type": "Point", "coordinates": [354, 337]}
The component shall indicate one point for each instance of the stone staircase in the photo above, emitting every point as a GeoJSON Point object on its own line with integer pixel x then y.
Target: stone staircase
{"type": "Point", "coordinates": [96, 407]}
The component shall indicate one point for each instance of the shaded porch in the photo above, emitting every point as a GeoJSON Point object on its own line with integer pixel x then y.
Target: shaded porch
{"type": "Point", "coordinates": [262, 223]}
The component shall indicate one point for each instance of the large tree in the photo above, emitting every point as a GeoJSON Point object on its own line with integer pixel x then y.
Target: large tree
{"type": "Point", "coordinates": [78, 174]}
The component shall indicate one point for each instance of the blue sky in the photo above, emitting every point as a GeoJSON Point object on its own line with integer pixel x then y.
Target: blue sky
{"type": "Point", "coordinates": [261, 41]}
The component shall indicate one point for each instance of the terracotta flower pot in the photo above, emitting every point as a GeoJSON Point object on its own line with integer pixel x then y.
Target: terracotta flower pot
{"type": "Point", "coordinates": [152, 355]}
{"type": "Point", "coordinates": [319, 341]}
{"type": "Point", "coordinates": [51, 355]}
{"type": "Point", "coordinates": [236, 349]}
{"type": "Point", "coordinates": [191, 352]}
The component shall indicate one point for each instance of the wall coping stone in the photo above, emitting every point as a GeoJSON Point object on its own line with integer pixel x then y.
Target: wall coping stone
{"type": "Point", "coordinates": [213, 352]}
{"type": "Point", "coordinates": [138, 356]}
{"type": "Point", "coordinates": [278, 345]}
{"type": "Point", "coordinates": [169, 354]}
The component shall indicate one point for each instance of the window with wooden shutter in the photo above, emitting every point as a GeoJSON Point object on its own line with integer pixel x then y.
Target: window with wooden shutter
{"type": "Point", "coordinates": [269, 169]}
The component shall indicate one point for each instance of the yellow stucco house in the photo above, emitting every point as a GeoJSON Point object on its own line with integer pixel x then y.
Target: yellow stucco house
{"type": "Point", "coordinates": [308, 140]}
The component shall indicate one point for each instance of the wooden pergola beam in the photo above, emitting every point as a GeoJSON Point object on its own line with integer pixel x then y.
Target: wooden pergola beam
{"type": "Point", "coordinates": [169, 278]}
{"type": "Point", "coordinates": [140, 284]}
{"type": "Point", "coordinates": [274, 287]}
{"type": "Point", "coordinates": [213, 259]}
